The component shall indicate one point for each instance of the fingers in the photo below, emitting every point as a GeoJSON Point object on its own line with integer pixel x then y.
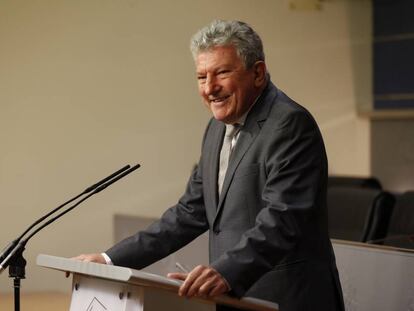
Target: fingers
{"type": "Point", "coordinates": [206, 288]}
{"type": "Point", "coordinates": [98, 258]}
{"type": "Point", "coordinates": [219, 289]}
{"type": "Point", "coordinates": [177, 276]}
{"type": "Point", "coordinates": [189, 282]}
{"type": "Point", "coordinates": [203, 281]}
{"type": "Point", "coordinates": [204, 278]}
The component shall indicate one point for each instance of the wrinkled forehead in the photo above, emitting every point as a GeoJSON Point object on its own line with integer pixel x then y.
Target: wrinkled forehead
{"type": "Point", "coordinates": [218, 56]}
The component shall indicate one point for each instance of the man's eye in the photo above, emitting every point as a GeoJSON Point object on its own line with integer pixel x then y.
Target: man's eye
{"type": "Point", "coordinates": [201, 78]}
{"type": "Point", "coordinates": [223, 74]}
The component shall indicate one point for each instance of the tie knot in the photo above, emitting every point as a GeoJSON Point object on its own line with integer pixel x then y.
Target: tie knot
{"type": "Point", "coordinates": [231, 130]}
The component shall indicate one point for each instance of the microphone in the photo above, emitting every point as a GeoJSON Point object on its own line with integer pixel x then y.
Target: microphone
{"type": "Point", "coordinates": [95, 191]}
{"type": "Point", "coordinates": [18, 245]}
{"type": "Point", "coordinates": [13, 244]}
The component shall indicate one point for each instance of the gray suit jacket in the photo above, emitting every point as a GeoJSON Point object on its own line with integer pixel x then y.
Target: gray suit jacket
{"type": "Point", "coordinates": [268, 228]}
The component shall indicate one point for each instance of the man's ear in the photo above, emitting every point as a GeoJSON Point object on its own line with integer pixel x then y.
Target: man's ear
{"type": "Point", "coordinates": [260, 70]}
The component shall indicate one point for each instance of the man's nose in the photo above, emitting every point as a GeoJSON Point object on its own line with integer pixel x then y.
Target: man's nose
{"type": "Point", "coordinates": [211, 86]}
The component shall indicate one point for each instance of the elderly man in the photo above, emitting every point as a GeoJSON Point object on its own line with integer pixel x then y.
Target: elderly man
{"type": "Point", "coordinates": [259, 188]}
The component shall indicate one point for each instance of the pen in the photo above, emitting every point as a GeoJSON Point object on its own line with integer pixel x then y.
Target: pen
{"type": "Point", "coordinates": [181, 267]}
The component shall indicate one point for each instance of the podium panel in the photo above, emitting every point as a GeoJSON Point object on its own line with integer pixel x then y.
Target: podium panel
{"type": "Point", "coordinates": [101, 295]}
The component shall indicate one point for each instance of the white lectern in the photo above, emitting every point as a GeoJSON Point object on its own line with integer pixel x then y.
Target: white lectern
{"type": "Point", "coordinates": [100, 287]}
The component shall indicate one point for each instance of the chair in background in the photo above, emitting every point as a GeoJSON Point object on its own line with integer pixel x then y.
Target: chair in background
{"type": "Point", "coordinates": [353, 181]}
{"type": "Point", "coordinates": [358, 214]}
{"type": "Point", "coordinates": [401, 227]}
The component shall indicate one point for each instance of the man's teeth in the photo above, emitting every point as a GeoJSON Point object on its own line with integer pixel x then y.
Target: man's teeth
{"type": "Point", "coordinates": [219, 99]}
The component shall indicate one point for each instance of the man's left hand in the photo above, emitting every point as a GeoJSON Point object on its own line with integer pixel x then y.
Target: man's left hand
{"type": "Point", "coordinates": [202, 281]}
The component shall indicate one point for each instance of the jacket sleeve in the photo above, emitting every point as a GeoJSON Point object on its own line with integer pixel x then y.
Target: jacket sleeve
{"type": "Point", "coordinates": [178, 226]}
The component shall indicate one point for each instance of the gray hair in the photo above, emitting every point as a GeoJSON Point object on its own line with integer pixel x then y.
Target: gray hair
{"type": "Point", "coordinates": [246, 41]}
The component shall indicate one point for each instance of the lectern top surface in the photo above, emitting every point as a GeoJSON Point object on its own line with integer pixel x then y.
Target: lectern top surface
{"type": "Point", "coordinates": [110, 272]}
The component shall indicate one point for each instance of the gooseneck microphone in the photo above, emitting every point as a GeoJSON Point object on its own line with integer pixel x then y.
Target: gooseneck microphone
{"type": "Point", "coordinates": [16, 247]}
{"type": "Point", "coordinates": [13, 244]}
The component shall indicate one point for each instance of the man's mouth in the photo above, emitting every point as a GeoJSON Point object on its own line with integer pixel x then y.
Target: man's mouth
{"type": "Point", "coordinates": [219, 100]}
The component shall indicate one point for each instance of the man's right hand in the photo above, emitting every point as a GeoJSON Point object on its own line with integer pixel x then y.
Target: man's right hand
{"type": "Point", "coordinates": [98, 258]}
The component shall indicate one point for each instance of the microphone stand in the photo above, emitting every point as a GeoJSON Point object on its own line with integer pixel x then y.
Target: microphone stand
{"type": "Point", "coordinates": [17, 271]}
{"type": "Point", "coordinates": [13, 253]}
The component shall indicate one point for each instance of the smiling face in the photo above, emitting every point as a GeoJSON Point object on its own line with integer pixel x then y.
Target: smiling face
{"type": "Point", "coordinates": [226, 86]}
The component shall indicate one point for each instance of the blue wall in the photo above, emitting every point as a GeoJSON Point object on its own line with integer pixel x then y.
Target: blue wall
{"type": "Point", "coordinates": [393, 54]}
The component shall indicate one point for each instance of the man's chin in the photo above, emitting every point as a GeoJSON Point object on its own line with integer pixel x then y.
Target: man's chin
{"type": "Point", "coordinates": [223, 119]}
{"type": "Point", "coordinates": [221, 114]}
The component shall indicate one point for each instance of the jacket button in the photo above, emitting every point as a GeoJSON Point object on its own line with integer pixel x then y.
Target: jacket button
{"type": "Point", "coordinates": [216, 231]}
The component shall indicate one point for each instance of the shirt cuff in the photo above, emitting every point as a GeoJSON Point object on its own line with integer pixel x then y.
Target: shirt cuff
{"type": "Point", "coordinates": [107, 259]}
